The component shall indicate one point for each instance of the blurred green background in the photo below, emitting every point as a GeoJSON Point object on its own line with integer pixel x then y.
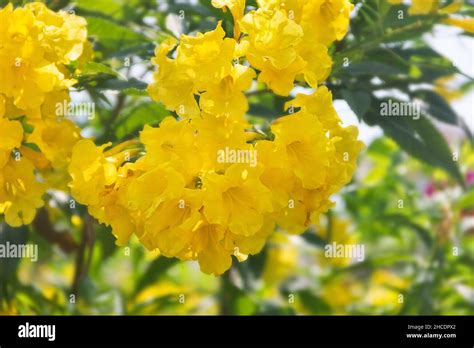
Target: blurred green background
{"type": "Point", "coordinates": [411, 202]}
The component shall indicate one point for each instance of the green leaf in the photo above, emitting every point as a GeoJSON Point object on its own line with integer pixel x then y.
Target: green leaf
{"type": "Point", "coordinates": [94, 68]}
{"type": "Point", "coordinates": [32, 146]}
{"type": "Point", "coordinates": [134, 91]}
{"type": "Point", "coordinates": [154, 272]}
{"type": "Point", "coordinates": [134, 120]}
{"type": "Point", "coordinates": [359, 101]}
{"type": "Point", "coordinates": [372, 68]}
{"type": "Point", "coordinates": [421, 139]}
{"type": "Point", "coordinates": [112, 8]}
{"type": "Point", "coordinates": [122, 85]}
{"type": "Point", "coordinates": [313, 303]}
{"type": "Point", "coordinates": [438, 108]}
{"type": "Point", "coordinates": [112, 36]}
{"type": "Point", "coordinates": [466, 200]}
{"type": "Point", "coordinates": [437, 146]}
{"type": "Point", "coordinates": [106, 241]}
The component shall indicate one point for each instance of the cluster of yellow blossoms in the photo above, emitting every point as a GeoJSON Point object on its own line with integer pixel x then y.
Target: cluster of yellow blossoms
{"type": "Point", "coordinates": [36, 44]}
{"type": "Point", "coordinates": [194, 193]}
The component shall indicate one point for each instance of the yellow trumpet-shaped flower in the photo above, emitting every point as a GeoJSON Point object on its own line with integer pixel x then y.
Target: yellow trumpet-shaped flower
{"type": "Point", "coordinates": [236, 7]}
{"type": "Point", "coordinates": [11, 135]}
{"type": "Point", "coordinates": [20, 192]}
{"type": "Point", "coordinates": [237, 199]}
{"type": "Point", "coordinates": [90, 171]}
{"type": "Point", "coordinates": [36, 44]}
{"type": "Point", "coordinates": [203, 66]}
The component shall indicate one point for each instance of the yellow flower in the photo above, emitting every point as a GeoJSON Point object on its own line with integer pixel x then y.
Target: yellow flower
{"type": "Point", "coordinates": [318, 62]}
{"type": "Point", "coordinates": [273, 41]}
{"type": "Point", "coordinates": [2, 105]}
{"type": "Point", "coordinates": [149, 190]}
{"type": "Point", "coordinates": [36, 43]}
{"type": "Point", "coordinates": [323, 21]}
{"type": "Point", "coordinates": [311, 158]}
{"type": "Point", "coordinates": [55, 140]}
{"type": "Point", "coordinates": [175, 142]}
{"type": "Point", "coordinates": [466, 24]}
{"type": "Point", "coordinates": [236, 199]}
{"type": "Point", "coordinates": [112, 208]}
{"type": "Point", "coordinates": [101, 181]}
{"type": "Point", "coordinates": [172, 86]}
{"type": "Point", "coordinates": [215, 134]}
{"type": "Point", "coordinates": [170, 227]}
{"type": "Point", "coordinates": [326, 20]}
{"type": "Point", "coordinates": [11, 135]}
{"type": "Point", "coordinates": [90, 171]}
{"type": "Point", "coordinates": [226, 97]}
{"type": "Point", "coordinates": [64, 33]}
{"type": "Point", "coordinates": [273, 37]}
{"type": "Point", "coordinates": [281, 81]}
{"type": "Point", "coordinates": [341, 291]}
{"type": "Point", "coordinates": [182, 197]}
{"type": "Point", "coordinates": [385, 288]}
{"type": "Point", "coordinates": [344, 140]}
{"type": "Point", "coordinates": [281, 260]}
{"type": "Point", "coordinates": [302, 139]}
{"type": "Point", "coordinates": [27, 78]}
{"type": "Point", "coordinates": [202, 63]}
{"type": "Point", "coordinates": [209, 246]}
{"type": "Point", "coordinates": [423, 7]}
{"type": "Point", "coordinates": [236, 7]}
{"type": "Point", "coordinates": [285, 43]}
{"type": "Point", "coordinates": [251, 245]}
{"type": "Point", "coordinates": [20, 193]}
{"type": "Point", "coordinates": [207, 57]}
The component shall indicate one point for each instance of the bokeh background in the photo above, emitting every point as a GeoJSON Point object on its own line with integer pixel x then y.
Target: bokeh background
{"type": "Point", "coordinates": [411, 202]}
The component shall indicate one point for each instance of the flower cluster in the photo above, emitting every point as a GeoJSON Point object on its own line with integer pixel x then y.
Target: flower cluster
{"type": "Point", "coordinates": [209, 186]}
{"type": "Point", "coordinates": [288, 40]}
{"type": "Point", "coordinates": [36, 47]}
{"type": "Point", "coordinates": [203, 67]}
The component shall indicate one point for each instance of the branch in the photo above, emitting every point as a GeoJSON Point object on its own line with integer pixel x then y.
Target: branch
{"type": "Point", "coordinates": [44, 227]}
{"type": "Point", "coordinates": [83, 261]}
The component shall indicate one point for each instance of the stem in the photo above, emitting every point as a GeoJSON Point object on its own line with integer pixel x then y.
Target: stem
{"type": "Point", "coordinates": [120, 147]}
{"type": "Point", "coordinates": [224, 296]}
{"type": "Point", "coordinates": [83, 261]}
{"type": "Point", "coordinates": [44, 228]}
{"type": "Point", "coordinates": [329, 228]}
